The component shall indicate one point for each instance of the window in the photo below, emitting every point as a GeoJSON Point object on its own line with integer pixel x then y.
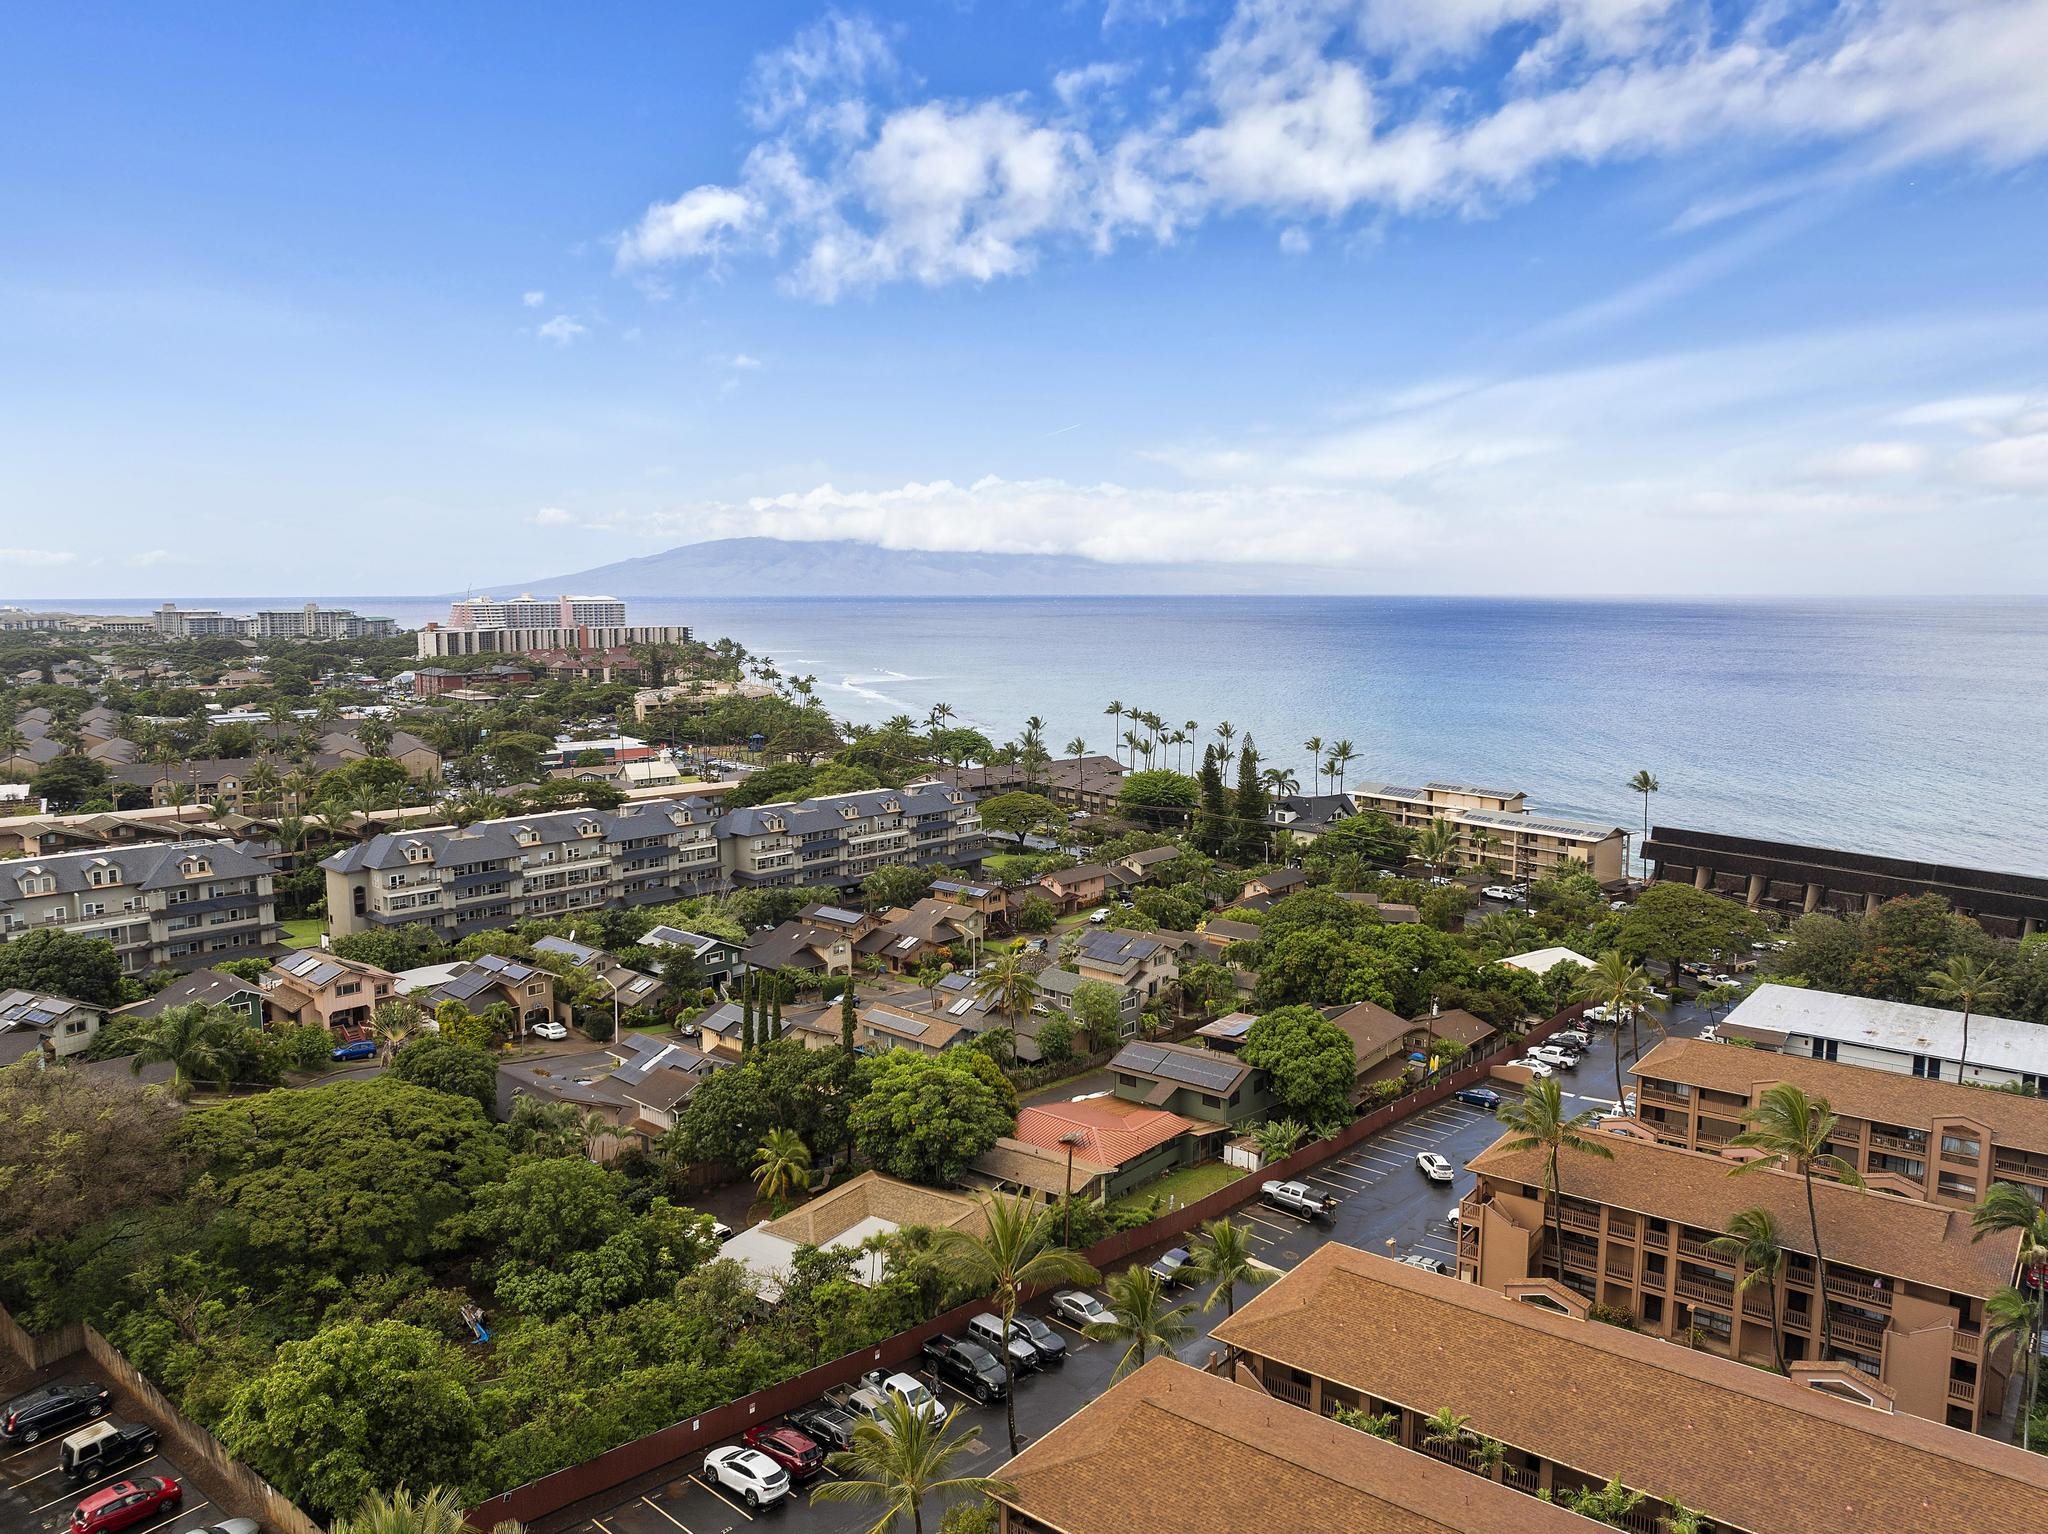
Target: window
{"type": "Point", "coordinates": [1824, 1049]}
{"type": "Point", "coordinates": [1968, 1146]}
{"type": "Point", "coordinates": [1924, 1066]}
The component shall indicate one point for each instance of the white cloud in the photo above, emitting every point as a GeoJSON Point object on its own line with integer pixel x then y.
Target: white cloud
{"type": "Point", "coordinates": [533, 298]}
{"type": "Point", "coordinates": [1334, 108]}
{"type": "Point", "coordinates": [743, 362]}
{"type": "Point", "coordinates": [552, 516]}
{"type": "Point", "coordinates": [36, 559]}
{"type": "Point", "coordinates": [1873, 460]}
{"type": "Point", "coordinates": [563, 330]}
{"type": "Point", "coordinates": [148, 559]}
{"type": "Point", "coordinates": [1294, 241]}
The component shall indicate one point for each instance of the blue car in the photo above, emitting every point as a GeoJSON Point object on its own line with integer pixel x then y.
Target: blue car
{"type": "Point", "coordinates": [361, 1049]}
{"type": "Point", "coordinates": [1481, 1097]}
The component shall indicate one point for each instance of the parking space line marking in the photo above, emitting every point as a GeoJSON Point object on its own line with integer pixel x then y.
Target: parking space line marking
{"type": "Point", "coordinates": [31, 1480]}
{"type": "Point", "coordinates": [726, 1500]}
{"type": "Point", "coordinates": [602, 1525]}
{"type": "Point", "coordinates": [183, 1509]}
{"type": "Point", "coordinates": [671, 1517]}
{"type": "Point", "coordinates": [1333, 1172]}
{"type": "Point", "coordinates": [1267, 1224]}
{"type": "Point", "coordinates": [30, 1449]}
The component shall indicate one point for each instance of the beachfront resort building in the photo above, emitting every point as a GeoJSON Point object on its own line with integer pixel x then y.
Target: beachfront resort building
{"type": "Point", "coordinates": [1497, 830]}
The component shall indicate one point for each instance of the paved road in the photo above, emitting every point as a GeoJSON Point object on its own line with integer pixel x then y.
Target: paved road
{"type": "Point", "coordinates": [1383, 1197]}
{"type": "Point", "coordinates": [35, 1498]}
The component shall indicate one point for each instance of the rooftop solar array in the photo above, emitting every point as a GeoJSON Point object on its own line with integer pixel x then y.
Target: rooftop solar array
{"type": "Point", "coordinates": [836, 913]}
{"type": "Point", "coordinates": [1188, 1068]}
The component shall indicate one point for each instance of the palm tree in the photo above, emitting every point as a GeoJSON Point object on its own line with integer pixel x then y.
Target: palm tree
{"type": "Point", "coordinates": [1343, 755]}
{"type": "Point", "coordinates": [1141, 1319]}
{"type": "Point", "coordinates": [1437, 845]}
{"type": "Point", "coordinates": [781, 1166]}
{"type": "Point", "coordinates": [1483, 843]}
{"type": "Point", "coordinates": [1792, 1130]}
{"type": "Point", "coordinates": [1278, 1139]}
{"type": "Point", "coordinates": [192, 1040]}
{"type": "Point", "coordinates": [1646, 784]}
{"type": "Point", "coordinates": [1116, 712]}
{"type": "Point", "coordinates": [438, 1511]}
{"type": "Point", "coordinates": [1009, 987]}
{"type": "Point", "coordinates": [1077, 748]}
{"type": "Point", "coordinates": [1446, 1429]}
{"type": "Point", "coordinates": [2010, 1316]}
{"type": "Point", "coordinates": [1537, 1120]}
{"type": "Point", "coordinates": [1016, 1254]}
{"type": "Point", "coordinates": [1623, 987]}
{"type": "Point", "coordinates": [1752, 1243]}
{"type": "Point", "coordinates": [1280, 780]}
{"type": "Point", "coordinates": [1314, 747]}
{"type": "Point", "coordinates": [1226, 732]}
{"type": "Point", "coordinates": [393, 1023]}
{"type": "Point", "coordinates": [1222, 1253]}
{"type": "Point", "coordinates": [1965, 982]}
{"type": "Point", "coordinates": [2007, 1206]}
{"type": "Point", "coordinates": [899, 1458]}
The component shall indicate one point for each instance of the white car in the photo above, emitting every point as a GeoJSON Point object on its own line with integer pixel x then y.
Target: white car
{"type": "Point", "coordinates": [1433, 1166]}
{"type": "Point", "coordinates": [1554, 1056]}
{"type": "Point", "coordinates": [748, 1473]}
{"type": "Point", "coordinates": [912, 1392]}
{"type": "Point", "coordinates": [549, 1031]}
{"type": "Point", "coordinates": [1535, 1068]}
{"type": "Point", "coordinates": [1077, 1307]}
{"type": "Point", "coordinates": [1499, 892]}
{"type": "Point", "coordinates": [1710, 1035]}
{"type": "Point", "coordinates": [1098, 916]}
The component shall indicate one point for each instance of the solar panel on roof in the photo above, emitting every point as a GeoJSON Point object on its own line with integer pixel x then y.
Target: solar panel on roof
{"type": "Point", "coordinates": [837, 913]}
{"type": "Point", "coordinates": [962, 1007]}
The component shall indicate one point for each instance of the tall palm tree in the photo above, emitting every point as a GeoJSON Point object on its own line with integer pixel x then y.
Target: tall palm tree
{"type": "Point", "coordinates": [393, 1023]}
{"type": "Point", "coordinates": [1280, 780]}
{"type": "Point", "coordinates": [1623, 988]}
{"type": "Point", "coordinates": [1792, 1130]}
{"type": "Point", "coordinates": [1226, 732]}
{"type": "Point", "coordinates": [1965, 982]}
{"type": "Point", "coordinates": [1538, 1122]}
{"type": "Point", "coordinates": [192, 1040]}
{"type": "Point", "coordinates": [2007, 1206]}
{"type": "Point", "coordinates": [1483, 844]}
{"type": "Point", "coordinates": [1116, 712]}
{"type": "Point", "coordinates": [1009, 987]}
{"type": "Point", "coordinates": [899, 1458]}
{"type": "Point", "coordinates": [1752, 1244]}
{"type": "Point", "coordinates": [1077, 748]}
{"type": "Point", "coordinates": [1224, 1254]}
{"type": "Point", "coordinates": [1646, 784]}
{"type": "Point", "coordinates": [781, 1165]}
{"type": "Point", "coordinates": [2010, 1316]}
{"type": "Point", "coordinates": [1016, 1253]}
{"type": "Point", "coordinates": [1141, 1319]}
{"type": "Point", "coordinates": [1343, 755]}
{"type": "Point", "coordinates": [1314, 747]}
{"type": "Point", "coordinates": [436, 1511]}
{"type": "Point", "coordinates": [1437, 845]}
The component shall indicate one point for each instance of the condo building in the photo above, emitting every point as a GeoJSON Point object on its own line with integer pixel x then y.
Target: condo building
{"type": "Point", "coordinates": [1905, 1284]}
{"type": "Point", "coordinates": [1497, 831]}
{"type": "Point", "coordinates": [528, 612]}
{"type": "Point", "coordinates": [178, 905]}
{"type": "Point", "coordinates": [1555, 1402]}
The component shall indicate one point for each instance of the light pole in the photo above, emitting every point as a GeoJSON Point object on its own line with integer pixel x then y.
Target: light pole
{"type": "Point", "coordinates": [613, 986]}
{"type": "Point", "coordinates": [1070, 1139]}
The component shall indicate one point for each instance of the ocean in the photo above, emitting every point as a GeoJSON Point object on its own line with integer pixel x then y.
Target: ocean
{"type": "Point", "coordinates": [1915, 728]}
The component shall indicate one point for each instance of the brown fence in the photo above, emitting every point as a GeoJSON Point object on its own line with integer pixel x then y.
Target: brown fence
{"type": "Point", "coordinates": [236, 1488]}
{"type": "Point", "coordinates": [596, 1477]}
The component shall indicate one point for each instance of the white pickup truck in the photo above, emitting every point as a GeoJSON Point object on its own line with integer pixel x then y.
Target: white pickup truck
{"type": "Point", "coordinates": [1297, 1198]}
{"type": "Point", "coordinates": [877, 1388]}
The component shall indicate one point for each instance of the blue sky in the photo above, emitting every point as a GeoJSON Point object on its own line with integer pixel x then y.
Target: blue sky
{"type": "Point", "coordinates": [1549, 296]}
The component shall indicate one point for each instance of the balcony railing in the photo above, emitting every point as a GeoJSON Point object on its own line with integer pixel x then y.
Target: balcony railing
{"type": "Point", "coordinates": [1860, 1290]}
{"type": "Point", "coordinates": [1692, 1246]}
{"type": "Point", "coordinates": [1707, 1292]}
{"type": "Point", "coordinates": [1862, 1335]}
{"type": "Point", "coordinates": [1962, 1390]}
{"type": "Point", "coordinates": [1291, 1391]}
{"type": "Point", "coordinates": [1912, 1145]}
{"type": "Point", "coordinates": [1578, 1219]}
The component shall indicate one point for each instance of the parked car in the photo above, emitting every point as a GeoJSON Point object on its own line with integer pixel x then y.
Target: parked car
{"type": "Point", "coordinates": [1173, 1268]}
{"type": "Point", "coordinates": [1050, 1345]}
{"type": "Point", "coordinates": [1711, 1034]}
{"type": "Point", "coordinates": [31, 1416]}
{"type": "Point", "coordinates": [824, 1424]}
{"type": "Point", "coordinates": [125, 1504]}
{"type": "Point", "coordinates": [92, 1451]}
{"type": "Point", "coordinates": [966, 1366]}
{"type": "Point", "coordinates": [1500, 892]}
{"type": "Point", "coordinates": [550, 1031]}
{"type": "Point", "coordinates": [1554, 1056]}
{"type": "Point", "coordinates": [1418, 1260]}
{"type": "Point", "coordinates": [356, 1049]}
{"type": "Point", "coordinates": [1479, 1097]}
{"type": "Point", "coordinates": [748, 1473]}
{"type": "Point", "coordinates": [877, 1388]}
{"type": "Point", "coordinates": [1296, 1198]}
{"type": "Point", "coordinates": [1433, 1166]}
{"type": "Point", "coordinates": [796, 1452]}
{"type": "Point", "coordinates": [1540, 1069]}
{"type": "Point", "coordinates": [1099, 915]}
{"type": "Point", "coordinates": [233, 1526]}
{"type": "Point", "coordinates": [1572, 1038]}
{"type": "Point", "coordinates": [1077, 1307]}
{"type": "Point", "coordinates": [986, 1329]}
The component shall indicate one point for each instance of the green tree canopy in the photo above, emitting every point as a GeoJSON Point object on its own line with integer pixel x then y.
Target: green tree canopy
{"type": "Point", "coordinates": [780, 1084]}
{"type": "Point", "coordinates": [1311, 1060]}
{"type": "Point", "coordinates": [1020, 812]}
{"type": "Point", "coordinates": [925, 1117]}
{"type": "Point", "coordinates": [443, 1065]}
{"type": "Point", "coordinates": [894, 884]}
{"type": "Point", "coordinates": [61, 963]}
{"type": "Point", "coordinates": [1158, 797]}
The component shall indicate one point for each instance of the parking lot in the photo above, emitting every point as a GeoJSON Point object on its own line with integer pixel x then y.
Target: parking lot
{"type": "Point", "coordinates": [35, 1498]}
{"type": "Point", "coordinates": [1381, 1195]}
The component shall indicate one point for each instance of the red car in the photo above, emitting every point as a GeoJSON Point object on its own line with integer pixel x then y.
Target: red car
{"type": "Point", "coordinates": [126, 1503]}
{"type": "Point", "coordinates": [794, 1452]}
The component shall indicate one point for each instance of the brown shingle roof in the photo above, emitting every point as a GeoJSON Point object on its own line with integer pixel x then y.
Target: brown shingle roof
{"type": "Point", "coordinates": [1745, 1446]}
{"type": "Point", "coordinates": [873, 1196]}
{"type": "Point", "coordinates": [1459, 1027]}
{"type": "Point", "coordinates": [1898, 1237]}
{"type": "Point", "coordinates": [1372, 1030]}
{"type": "Point", "coordinates": [1171, 1449]}
{"type": "Point", "coordinates": [1854, 1091]}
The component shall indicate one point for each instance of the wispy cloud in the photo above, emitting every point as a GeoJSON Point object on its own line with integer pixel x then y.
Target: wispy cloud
{"type": "Point", "coordinates": [533, 298]}
{"type": "Point", "coordinates": [563, 330]}
{"type": "Point", "coordinates": [37, 559]}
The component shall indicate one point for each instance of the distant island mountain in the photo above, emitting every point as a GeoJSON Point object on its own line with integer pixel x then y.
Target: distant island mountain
{"type": "Point", "coordinates": [773, 567]}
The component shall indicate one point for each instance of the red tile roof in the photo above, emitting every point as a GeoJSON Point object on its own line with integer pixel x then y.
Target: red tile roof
{"type": "Point", "coordinates": [1113, 1131]}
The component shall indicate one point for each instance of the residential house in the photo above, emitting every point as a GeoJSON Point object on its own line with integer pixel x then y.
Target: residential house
{"type": "Point", "coordinates": [1576, 1403]}
{"type": "Point", "coordinates": [1541, 961]}
{"type": "Point", "coordinates": [207, 987]}
{"type": "Point", "coordinates": [1892, 1036]}
{"type": "Point", "coordinates": [1146, 866]}
{"type": "Point", "coordinates": [1220, 932]}
{"type": "Point", "coordinates": [637, 1084]}
{"type": "Point", "coordinates": [315, 986]}
{"type": "Point", "coordinates": [1089, 783]}
{"type": "Point", "coordinates": [846, 1218]}
{"type": "Point", "coordinates": [1130, 1143]}
{"type": "Point", "coordinates": [1056, 988]}
{"type": "Point", "coordinates": [1936, 1140]}
{"type": "Point", "coordinates": [630, 987]}
{"type": "Point", "coordinates": [1077, 889]}
{"type": "Point", "coordinates": [176, 905]}
{"type": "Point", "coordinates": [932, 929]}
{"type": "Point", "coordinates": [812, 947]}
{"type": "Point", "coordinates": [718, 959]}
{"type": "Point", "coordinates": [991, 900]}
{"type": "Point", "coordinates": [489, 980]}
{"type": "Point", "coordinates": [1137, 962]}
{"type": "Point", "coordinates": [1194, 1083]}
{"type": "Point", "coordinates": [1307, 816]}
{"type": "Point", "coordinates": [882, 1026]}
{"type": "Point", "coordinates": [1906, 1282]}
{"type": "Point", "coordinates": [1170, 1448]}
{"type": "Point", "coordinates": [1275, 884]}
{"type": "Point", "coordinates": [56, 1027]}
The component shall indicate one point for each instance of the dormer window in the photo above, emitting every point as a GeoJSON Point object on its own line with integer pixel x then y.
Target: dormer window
{"type": "Point", "coordinates": [526, 836]}
{"type": "Point", "coordinates": [102, 873]}
{"type": "Point", "coordinates": [416, 852]}
{"type": "Point", "coordinates": [848, 812]}
{"type": "Point", "coordinates": [892, 806]}
{"type": "Point", "coordinates": [589, 828]}
{"type": "Point", "coordinates": [773, 822]}
{"type": "Point", "coordinates": [194, 867]}
{"type": "Point", "coordinates": [36, 882]}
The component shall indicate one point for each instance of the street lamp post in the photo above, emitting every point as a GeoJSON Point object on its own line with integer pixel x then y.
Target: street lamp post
{"type": "Point", "coordinates": [1070, 1139]}
{"type": "Point", "coordinates": [613, 986]}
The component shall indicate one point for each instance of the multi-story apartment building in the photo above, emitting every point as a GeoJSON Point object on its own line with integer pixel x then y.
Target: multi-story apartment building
{"type": "Point", "coordinates": [195, 622]}
{"type": "Point", "coordinates": [1498, 831]}
{"type": "Point", "coordinates": [529, 612]}
{"type": "Point", "coordinates": [601, 645]}
{"type": "Point", "coordinates": [1572, 1403]}
{"type": "Point", "coordinates": [842, 839]}
{"type": "Point", "coordinates": [1905, 1284]}
{"type": "Point", "coordinates": [1936, 1140]}
{"type": "Point", "coordinates": [316, 622]}
{"type": "Point", "coordinates": [1893, 1036]}
{"type": "Point", "coordinates": [497, 872]}
{"type": "Point", "coordinates": [180, 905]}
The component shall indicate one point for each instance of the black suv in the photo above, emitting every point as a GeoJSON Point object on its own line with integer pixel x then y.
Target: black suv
{"type": "Point", "coordinates": [968, 1366]}
{"type": "Point", "coordinates": [823, 1424]}
{"type": "Point", "coordinates": [91, 1452]}
{"type": "Point", "coordinates": [27, 1418]}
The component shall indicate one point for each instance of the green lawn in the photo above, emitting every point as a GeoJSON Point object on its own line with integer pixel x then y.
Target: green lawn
{"type": "Point", "coordinates": [1187, 1184]}
{"type": "Point", "coordinates": [304, 931]}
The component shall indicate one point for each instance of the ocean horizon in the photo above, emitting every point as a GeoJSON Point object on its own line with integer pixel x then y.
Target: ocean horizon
{"type": "Point", "coordinates": [1901, 726]}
